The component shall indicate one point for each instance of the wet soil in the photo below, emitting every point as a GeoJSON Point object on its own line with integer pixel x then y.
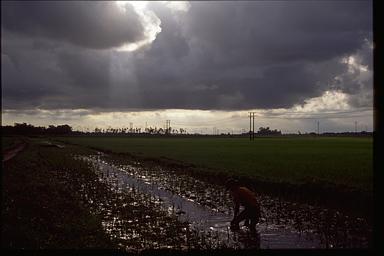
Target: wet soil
{"type": "Point", "coordinates": [42, 204]}
{"type": "Point", "coordinates": [204, 210]}
{"type": "Point", "coordinates": [11, 153]}
{"type": "Point", "coordinates": [352, 201]}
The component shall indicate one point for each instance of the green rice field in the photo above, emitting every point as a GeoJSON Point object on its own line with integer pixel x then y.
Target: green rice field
{"type": "Point", "coordinates": [338, 160]}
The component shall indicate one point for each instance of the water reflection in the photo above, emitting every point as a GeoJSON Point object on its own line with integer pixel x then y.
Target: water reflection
{"type": "Point", "coordinates": [211, 224]}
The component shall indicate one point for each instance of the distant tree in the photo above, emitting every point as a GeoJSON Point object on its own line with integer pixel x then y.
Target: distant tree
{"type": "Point", "coordinates": [268, 131]}
{"type": "Point", "coordinates": [60, 129]}
{"type": "Point", "coordinates": [28, 129]}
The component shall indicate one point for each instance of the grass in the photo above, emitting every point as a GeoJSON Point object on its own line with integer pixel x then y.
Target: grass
{"type": "Point", "coordinates": [341, 161]}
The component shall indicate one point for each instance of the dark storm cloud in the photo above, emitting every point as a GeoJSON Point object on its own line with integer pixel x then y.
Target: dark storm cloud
{"type": "Point", "coordinates": [89, 24]}
{"type": "Point", "coordinates": [358, 80]}
{"type": "Point", "coordinates": [229, 55]}
{"type": "Point", "coordinates": [39, 73]}
{"type": "Point", "coordinates": [27, 75]}
{"type": "Point", "coordinates": [264, 55]}
{"type": "Point", "coordinates": [263, 33]}
{"type": "Point", "coordinates": [87, 69]}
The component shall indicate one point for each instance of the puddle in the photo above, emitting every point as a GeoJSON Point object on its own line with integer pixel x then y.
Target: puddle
{"type": "Point", "coordinates": [207, 209]}
{"type": "Point", "coordinates": [49, 144]}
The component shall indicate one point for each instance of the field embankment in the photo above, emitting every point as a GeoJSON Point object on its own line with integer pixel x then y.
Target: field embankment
{"type": "Point", "coordinates": [11, 142]}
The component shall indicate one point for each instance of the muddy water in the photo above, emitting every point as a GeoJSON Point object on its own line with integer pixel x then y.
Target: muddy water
{"type": "Point", "coordinates": [208, 210]}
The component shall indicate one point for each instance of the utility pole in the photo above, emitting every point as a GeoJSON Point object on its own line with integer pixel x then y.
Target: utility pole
{"type": "Point", "coordinates": [355, 126]}
{"type": "Point", "coordinates": [251, 127]}
{"type": "Point", "coordinates": [167, 126]}
{"type": "Point", "coordinates": [318, 127]}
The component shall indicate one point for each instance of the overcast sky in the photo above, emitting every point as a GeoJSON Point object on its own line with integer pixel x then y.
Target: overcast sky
{"type": "Point", "coordinates": [199, 64]}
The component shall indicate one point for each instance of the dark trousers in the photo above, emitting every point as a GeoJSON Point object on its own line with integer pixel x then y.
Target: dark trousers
{"type": "Point", "coordinates": [249, 213]}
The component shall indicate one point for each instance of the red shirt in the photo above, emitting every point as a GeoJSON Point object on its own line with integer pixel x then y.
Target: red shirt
{"type": "Point", "coordinates": [245, 197]}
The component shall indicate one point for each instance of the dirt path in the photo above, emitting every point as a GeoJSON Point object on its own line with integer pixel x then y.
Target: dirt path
{"type": "Point", "coordinates": [11, 153]}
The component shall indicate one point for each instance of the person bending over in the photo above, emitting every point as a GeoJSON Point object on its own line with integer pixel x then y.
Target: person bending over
{"type": "Point", "coordinates": [245, 197]}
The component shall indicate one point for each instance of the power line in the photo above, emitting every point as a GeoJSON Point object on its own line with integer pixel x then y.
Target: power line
{"type": "Point", "coordinates": [318, 127]}
{"type": "Point", "coordinates": [312, 117]}
{"type": "Point", "coordinates": [326, 112]}
{"type": "Point", "coordinates": [332, 114]}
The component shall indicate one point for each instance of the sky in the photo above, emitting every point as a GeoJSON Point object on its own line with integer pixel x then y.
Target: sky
{"type": "Point", "coordinates": [201, 65]}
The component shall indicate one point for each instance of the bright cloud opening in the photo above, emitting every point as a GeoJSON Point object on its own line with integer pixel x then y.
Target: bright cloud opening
{"type": "Point", "coordinates": [150, 21]}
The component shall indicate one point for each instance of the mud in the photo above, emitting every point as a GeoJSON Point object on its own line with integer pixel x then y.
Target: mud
{"type": "Point", "coordinates": [207, 210]}
{"type": "Point", "coordinates": [8, 155]}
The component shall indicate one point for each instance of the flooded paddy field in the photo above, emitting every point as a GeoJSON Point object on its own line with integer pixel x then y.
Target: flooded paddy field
{"type": "Point", "coordinates": [65, 196]}
{"type": "Point", "coordinates": [197, 213]}
{"type": "Point", "coordinates": [52, 200]}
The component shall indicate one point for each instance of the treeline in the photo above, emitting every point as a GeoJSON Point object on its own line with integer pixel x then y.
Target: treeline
{"type": "Point", "coordinates": [28, 129]}
{"type": "Point", "coordinates": [347, 134]}
{"type": "Point", "coordinates": [150, 130]}
{"type": "Point", "coordinates": [333, 134]}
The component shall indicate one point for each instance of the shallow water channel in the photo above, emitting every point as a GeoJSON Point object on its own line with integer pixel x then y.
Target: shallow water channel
{"type": "Point", "coordinates": [208, 210]}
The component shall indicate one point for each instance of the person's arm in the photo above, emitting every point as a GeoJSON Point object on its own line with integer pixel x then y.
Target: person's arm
{"type": "Point", "coordinates": [236, 209]}
{"type": "Point", "coordinates": [236, 213]}
{"type": "Point", "coordinates": [236, 203]}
